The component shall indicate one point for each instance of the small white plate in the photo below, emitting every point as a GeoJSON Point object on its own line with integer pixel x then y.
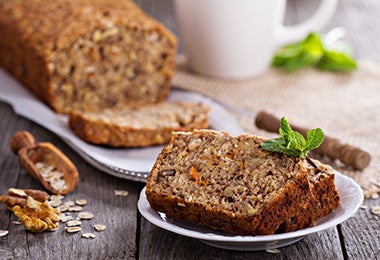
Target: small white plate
{"type": "Point", "coordinates": [351, 198]}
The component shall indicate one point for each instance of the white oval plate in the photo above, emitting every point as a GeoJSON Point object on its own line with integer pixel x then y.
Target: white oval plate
{"type": "Point", "coordinates": [351, 198]}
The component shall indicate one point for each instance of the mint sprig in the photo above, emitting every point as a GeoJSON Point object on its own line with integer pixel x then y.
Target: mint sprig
{"type": "Point", "coordinates": [311, 52]}
{"type": "Point", "coordinates": [293, 143]}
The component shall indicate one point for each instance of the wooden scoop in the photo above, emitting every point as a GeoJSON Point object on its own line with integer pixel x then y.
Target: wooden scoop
{"type": "Point", "coordinates": [33, 156]}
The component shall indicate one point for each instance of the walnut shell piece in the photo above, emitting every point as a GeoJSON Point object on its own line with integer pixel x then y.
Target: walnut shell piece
{"type": "Point", "coordinates": [36, 216]}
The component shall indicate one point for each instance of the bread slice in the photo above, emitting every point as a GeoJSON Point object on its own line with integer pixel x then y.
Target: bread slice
{"type": "Point", "coordinates": [86, 54]}
{"type": "Point", "coordinates": [231, 184]}
{"type": "Point", "coordinates": [138, 126]}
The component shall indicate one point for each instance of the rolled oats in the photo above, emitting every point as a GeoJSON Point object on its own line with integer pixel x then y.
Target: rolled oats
{"type": "Point", "coordinates": [73, 229]}
{"type": "Point", "coordinates": [88, 235]}
{"type": "Point", "coordinates": [99, 227]}
{"type": "Point", "coordinates": [63, 208]}
{"type": "Point", "coordinates": [85, 215]}
{"type": "Point", "coordinates": [81, 202]}
{"type": "Point", "coordinates": [122, 193]}
{"type": "Point", "coordinates": [64, 218]}
{"type": "Point", "coordinates": [76, 208]}
{"type": "Point", "coordinates": [3, 233]}
{"type": "Point", "coordinates": [73, 223]}
{"type": "Point", "coordinates": [375, 210]}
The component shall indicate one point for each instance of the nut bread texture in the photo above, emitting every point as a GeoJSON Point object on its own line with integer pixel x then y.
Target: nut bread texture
{"type": "Point", "coordinates": [138, 126]}
{"type": "Point", "coordinates": [86, 54]}
{"type": "Point", "coordinates": [231, 184]}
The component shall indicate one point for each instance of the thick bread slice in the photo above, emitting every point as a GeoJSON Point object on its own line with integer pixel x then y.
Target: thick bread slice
{"type": "Point", "coordinates": [231, 184]}
{"type": "Point", "coordinates": [138, 126]}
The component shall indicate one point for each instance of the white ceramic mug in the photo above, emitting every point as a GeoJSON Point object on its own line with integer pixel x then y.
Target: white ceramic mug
{"type": "Point", "coordinates": [237, 38]}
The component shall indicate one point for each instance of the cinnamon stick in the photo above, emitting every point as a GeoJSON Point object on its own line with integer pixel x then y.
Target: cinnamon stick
{"type": "Point", "coordinates": [331, 147]}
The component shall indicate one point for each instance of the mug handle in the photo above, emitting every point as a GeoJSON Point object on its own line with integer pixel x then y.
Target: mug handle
{"type": "Point", "coordinates": [288, 34]}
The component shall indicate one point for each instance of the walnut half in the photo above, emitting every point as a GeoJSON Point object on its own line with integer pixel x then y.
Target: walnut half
{"type": "Point", "coordinates": [32, 209]}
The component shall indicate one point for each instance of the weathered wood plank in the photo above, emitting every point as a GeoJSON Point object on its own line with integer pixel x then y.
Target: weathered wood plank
{"type": "Point", "coordinates": [154, 243]}
{"type": "Point", "coordinates": [361, 233]}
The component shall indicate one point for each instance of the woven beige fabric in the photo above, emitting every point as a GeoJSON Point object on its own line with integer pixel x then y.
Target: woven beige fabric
{"type": "Point", "coordinates": [346, 106]}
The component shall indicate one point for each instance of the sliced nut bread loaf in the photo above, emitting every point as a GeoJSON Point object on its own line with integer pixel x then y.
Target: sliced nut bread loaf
{"type": "Point", "coordinates": [86, 54]}
{"type": "Point", "coordinates": [231, 184]}
{"type": "Point", "coordinates": [138, 126]}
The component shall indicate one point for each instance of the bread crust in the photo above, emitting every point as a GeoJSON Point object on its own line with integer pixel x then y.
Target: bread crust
{"type": "Point", "coordinates": [86, 54]}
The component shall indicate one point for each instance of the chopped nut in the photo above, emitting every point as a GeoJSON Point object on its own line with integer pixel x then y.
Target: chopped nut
{"type": "Point", "coordinates": [81, 202]}
{"type": "Point", "coordinates": [99, 227]}
{"type": "Point", "coordinates": [3, 233]}
{"type": "Point", "coordinates": [167, 173]}
{"type": "Point", "coordinates": [85, 215]}
{"type": "Point", "coordinates": [88, 235]}
{"type": "Point", "coordinates": [121, 193]}
{"type": "Point", "coordinates": [33, 214]}
{"type": "Point", "coordinates": [73, 223]}
{"type": "Point", "coordinates": [17, 192]}
{"type": "Point", "coordinates": [73, 229]}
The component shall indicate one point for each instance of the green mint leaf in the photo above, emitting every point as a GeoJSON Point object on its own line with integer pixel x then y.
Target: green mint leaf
{"type": "Point", "coordinates": [314, 138]}
{"type": "Point", "coordinates": [311, 52]}
{"type": "Point", "coordinates": [286, 53]}
{"type": "Point", "coordinates": [337, 61]}
{"type": "Point", "coordinates": [293, 143]}
{"type": "Point", "coordinates": [285, 129]}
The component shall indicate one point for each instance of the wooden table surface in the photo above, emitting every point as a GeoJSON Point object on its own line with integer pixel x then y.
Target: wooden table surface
{"type": "Point", "coordinates": [128, 234]}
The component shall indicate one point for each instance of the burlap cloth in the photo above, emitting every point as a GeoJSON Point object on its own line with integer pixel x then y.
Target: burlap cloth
{"type": "Point", "coordinates": [346, 106]}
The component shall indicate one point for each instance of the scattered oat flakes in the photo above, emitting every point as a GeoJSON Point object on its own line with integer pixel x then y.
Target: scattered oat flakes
{"type": "Point", "coordinates": [374, 196]}
{"type": "Point", "coordinates": [375, 210]}
{"type": "Point", "coordinates": [63, 208]}
{"type": "Point", "coordinates": [3, 233]}
{"type": "Point", "coordinates": [16, 222]}
{"type": "Point", "coordinates": [56, 197]}
{"type": "Point", "coordinates": [51, 175]}
{"type": "Point", "coordinates": [73, 229]}
{"type": "Point", "coordinates": [88, 235]}
{"type": "Point", "coordinates": [121, 193]}
{"type": "Point", "coordinates": [70, 203]}
{"type": "Point", "coordinates": [64, 218]}
{"type": "Point", "coordinates": [85, 215]}
{"type": "Point", "coordinates": [73, 223]}
{"type": "Point", "coordinates": [273, 251]}
{"type": "Point", "coordinates": [76, 208]}
{"type": "Point", "coordinates": [81, 202]}
{"type": "Point", "coordinates": [99, 227]}
{"type": "Point", "coordinates": [53, 229]}
{"type": "Point", "coordinates": [363, 207]}
{"type": "Point", "coordinates": [55, 203]}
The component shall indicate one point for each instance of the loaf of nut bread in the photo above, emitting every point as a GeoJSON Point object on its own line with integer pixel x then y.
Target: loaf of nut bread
{"type": "Point", "coordinates": [231, 184]}
{"type": "Point", "coordinates": [139, 126]}
{"type": "Point", "coordinates": [86, 54]}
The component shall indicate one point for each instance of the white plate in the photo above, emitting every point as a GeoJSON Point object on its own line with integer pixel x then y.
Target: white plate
{"type": "Point", "coordinates": [133, 164]}
{"type": "Point", "coordinates": [351, 198]}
